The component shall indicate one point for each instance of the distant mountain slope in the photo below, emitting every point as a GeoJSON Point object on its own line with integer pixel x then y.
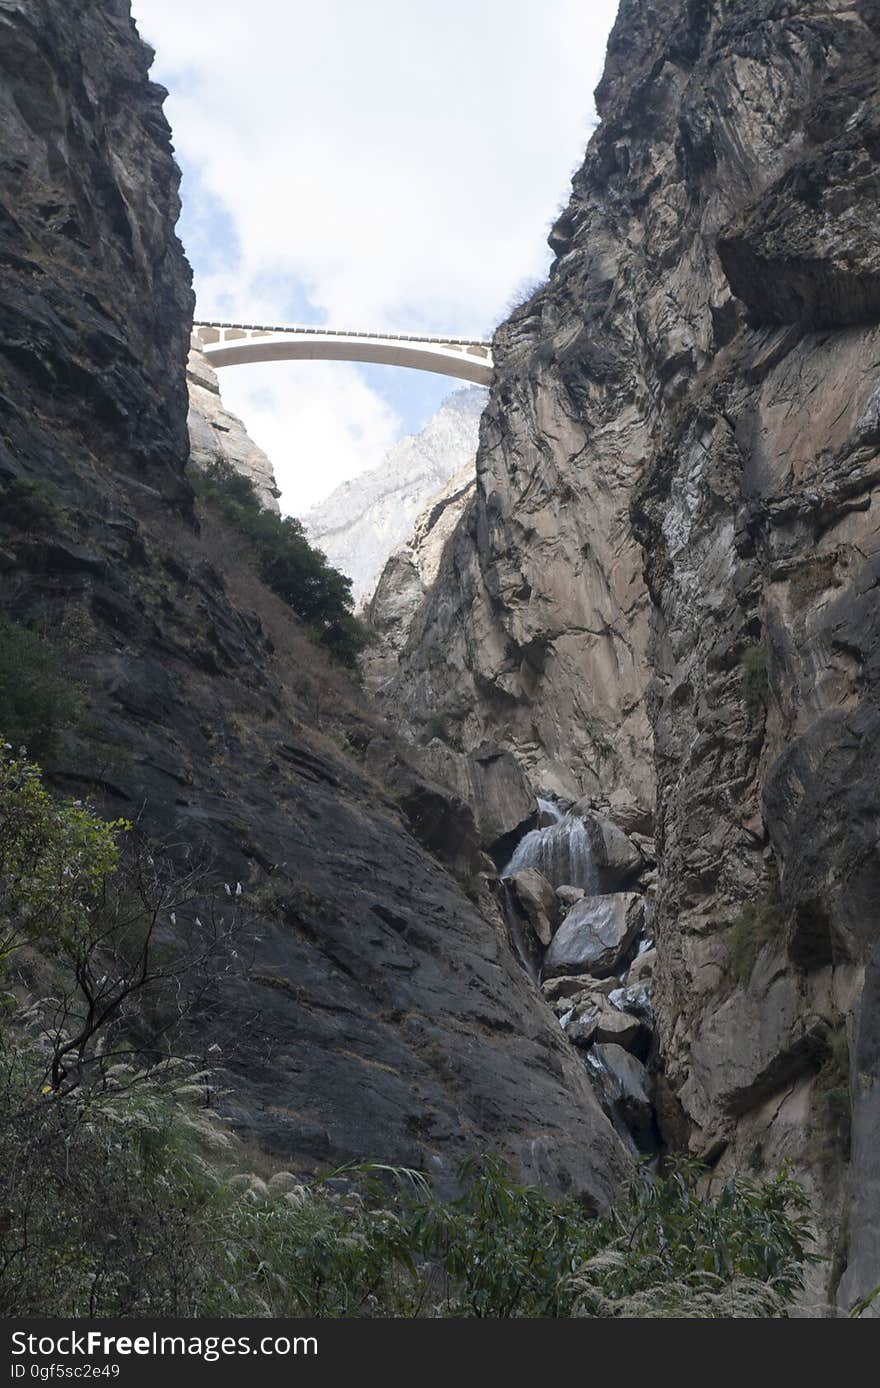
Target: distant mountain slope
{"type": "Point", "coordinates": [363, 521]}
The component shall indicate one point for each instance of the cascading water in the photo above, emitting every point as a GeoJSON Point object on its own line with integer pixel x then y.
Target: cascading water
{"type": "Point", "coordinates": [561, 851]}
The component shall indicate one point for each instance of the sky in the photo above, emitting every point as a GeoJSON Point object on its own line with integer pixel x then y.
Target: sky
{"type": "Point", "coordinates": [368, 164]}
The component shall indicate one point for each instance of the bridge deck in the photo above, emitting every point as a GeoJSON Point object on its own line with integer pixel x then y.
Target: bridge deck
{"type": "Point", "coordinates": [233, 344]}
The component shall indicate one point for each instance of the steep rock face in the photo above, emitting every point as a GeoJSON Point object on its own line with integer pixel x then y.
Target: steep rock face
{"type": "Point", "coordinates": [664, 594]}
{"type": "Point", "coordinates": [95, 302]}
{"type": "Point", "coordinates": [409, 574]}
{"type": "Point", "coordinates": [363, 521]}
{"type": "Point", "coordinates": [377, 1009]}
{"type": "Point", "coordinates": [218, 436]}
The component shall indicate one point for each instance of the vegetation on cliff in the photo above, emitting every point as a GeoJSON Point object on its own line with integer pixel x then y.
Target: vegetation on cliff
{"type": "Point", "coordinates": [36, 695]}
{"type": "Point", "coordinates": [287, 563]}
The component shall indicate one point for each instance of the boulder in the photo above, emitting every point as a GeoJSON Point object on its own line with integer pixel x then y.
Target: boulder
{"type": "Point", "coordinates": [628, 1086]}
{"type": "Point", "coordinates": [571, 986]}
{"type": "Point", "coordinates": [622, 1029]}
{"type": "Point", "coordinates": [633, 817]}
{"type": "Point", "coordinates": [591, 1020]}
{"type": "Point", "coordinates": [580, 1027]}
{"type": "Point", "coordinates": [569, 895]}
{"type": "Point", "coordinates": [537, 899]}
{"type": "Point", "coordinates": [616, 859]}
{"type": "Point", "coordinates": [502, 798]}
{"type": "Point", "coordinates": [641, 968]}
{"type": "Point", "coordinates": [595, 936]}
{"type": "Point", "coordinates": [492, 783]}
{"type": "Point", "coordinates": [443, 824]}
{"type": "Point", "coordinates": [595, 997]}
{"type": "Point", "coordinates": [634, 998]}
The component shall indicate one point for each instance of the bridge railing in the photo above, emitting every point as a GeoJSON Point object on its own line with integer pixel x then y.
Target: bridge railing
{"type": "Point", "coordinates": [345, 332]}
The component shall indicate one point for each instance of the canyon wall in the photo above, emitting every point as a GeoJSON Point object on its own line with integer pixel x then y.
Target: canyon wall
{"type": "Point", "coordinates": [217, 436]}
{"type": "Point", "coordinates": [661, 602]}
{"type": "Point", "coordinates": [376, 1010]}
{"type": "Point", "coordinates": [663, 597]}
{"type": "Point", "coordinates": [364, 520]}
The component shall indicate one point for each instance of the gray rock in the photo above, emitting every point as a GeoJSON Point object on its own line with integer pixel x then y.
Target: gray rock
{"type": "Point", "coordinates": [596, 935]}
{"type": "Point", "coordinates": [216, 435]}
{"type": "Point", "coordinates": [629, 1090]}
{"type": "Point", "coordinates": [618, 862]}
{"type": "Point", "coordinates": [623, 1029]}
{"type": "Point", "coordinates": [569, 895]}
{"type": "Point", "coordinates": [634, 998]}
{"type": "Point", "coordinates": [641, 969]}
{"type": "Point", "coordinates": [558, 989]}
{"type": "Point", "coordinates": [402, 512]}
{"type": "Point", "coordinates": [491, 781]}
{"type": "Point", "coordinates": [580, 1026]}
{"type": "Point", "coordinates": [538, 902]}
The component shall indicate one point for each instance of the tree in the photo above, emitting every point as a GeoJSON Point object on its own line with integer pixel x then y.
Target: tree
{"type": "Point", "coordinates": [134, 942]}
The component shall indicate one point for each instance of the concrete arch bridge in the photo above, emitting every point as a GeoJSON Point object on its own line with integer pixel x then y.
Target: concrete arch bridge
{"type": "Point", "coordinates": [234, 344]}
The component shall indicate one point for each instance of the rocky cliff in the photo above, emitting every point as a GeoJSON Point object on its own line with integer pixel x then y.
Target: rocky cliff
{"type": "Point", "coordinates": [363, 521]}
{"type": "Point", "coordinates": [216, 435]}
{"type": "Point", "coordinates": [663, 596]}
{"type": "Point", "coordinates": [408, 576]}
{"type": "Point", "coordinates": [378, 1010]}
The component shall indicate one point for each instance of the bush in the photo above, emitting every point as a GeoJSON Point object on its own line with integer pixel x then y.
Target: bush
{"type": "Point", "coordinates": [131, 944]}
{"type": "Point", "coordinates": [834, 1100]}
{"type": "Point", "coordinates": [755, 678]}
{"type": "Point", "coordinates": [287, 563]}
{"type": "Point", "coordinates": [37, 699]}
{"type": "Point", "coordinates": [666, 1249]}
{"type": "Point", "coordinates": [812, 578]}
{"type": "Point", "coordinates": [54, 859]}
{"type": "Point", "coordinates": [116, 1206]}
{"type": "Point", "coordinates": [26, 504]}
{"type": "Point", "coordinates": [758, 923]}
{"type": "Point", "coordinates": [672, 1251]}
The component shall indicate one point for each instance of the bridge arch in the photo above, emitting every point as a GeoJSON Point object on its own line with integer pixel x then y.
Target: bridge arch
{"type": "Point", "coordinates": [234, 344]}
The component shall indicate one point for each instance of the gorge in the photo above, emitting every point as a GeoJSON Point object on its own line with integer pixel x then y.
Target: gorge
{"type": "Point", "coordinates": [587, 868]}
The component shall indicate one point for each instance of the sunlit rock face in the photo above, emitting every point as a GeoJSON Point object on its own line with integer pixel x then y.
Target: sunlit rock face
{"type": "Point", "coordinates": [408, 575]}
{"type": "Point", "coordinates": [217, 436]}
{"type": "Point", "coordinates": [663, 594]}
{"type": "Point", "coordinates": [363, 521]}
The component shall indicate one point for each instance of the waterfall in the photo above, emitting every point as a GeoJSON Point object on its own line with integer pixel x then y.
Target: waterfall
{"type": "Point", "coordinates": [562, 851]}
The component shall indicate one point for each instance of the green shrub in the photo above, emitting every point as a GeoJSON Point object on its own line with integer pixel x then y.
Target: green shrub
{"type": "Point", "coordinates": [319, 594]}
{"type": "Point", "coordinates": [755, 680]}
{"type": "Point", "coordinates": [834, 1100]}
{"type": "Point", "coordinates": [812, 578]}
{"type": "Point", "coordinates": [54, 860]}
{"type": "Point", "coordinates": [128, 1214]}
{"type": "Point", "coordinates": [673, 1250]}
{"type": "Point", "coordinates": [757, 924]}
{"type": "Point", "coordinates": [37, 698]}
{"type": "Point", "coordinates": [508, 1250]}
{"type": "Point", "coordinates": [27, 504]}
{"type": "Point", "coordinates": [128, 942]}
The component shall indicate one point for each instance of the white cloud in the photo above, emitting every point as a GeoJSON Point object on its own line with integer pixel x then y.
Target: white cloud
{"type": "Point", "coordinates": [393, 164]}
{"type": "Point", "coordinates": [293, 412]}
